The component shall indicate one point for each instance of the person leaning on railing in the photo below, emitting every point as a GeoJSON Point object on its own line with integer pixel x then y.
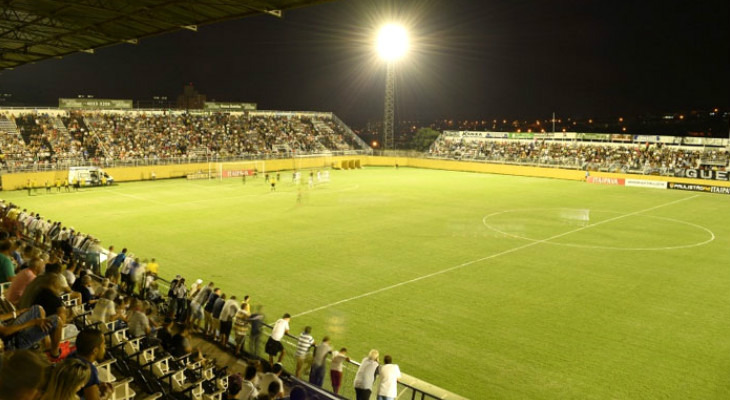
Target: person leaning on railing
{"type": "Point", "coordinates": [365, 376]}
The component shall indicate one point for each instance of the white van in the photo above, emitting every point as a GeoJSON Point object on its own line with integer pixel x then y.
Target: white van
{"type": "Point", "coordinates": [90, 176]}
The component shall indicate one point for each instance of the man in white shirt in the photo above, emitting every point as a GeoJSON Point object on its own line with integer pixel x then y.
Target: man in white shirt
{"type": "Point", "coordinates": [230, 308]}
{"type": "Point", "coordinates": [273, 345]}
{"type": "Point", "coordinates": [389, 375]}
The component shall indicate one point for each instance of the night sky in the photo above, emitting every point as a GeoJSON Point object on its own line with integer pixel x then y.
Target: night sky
{"type": "Point", "coordinates": [471, 59]}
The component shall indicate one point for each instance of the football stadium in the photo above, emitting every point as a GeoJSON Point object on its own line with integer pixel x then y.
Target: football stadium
{"type": "Point", "coordinates": [220, 250]}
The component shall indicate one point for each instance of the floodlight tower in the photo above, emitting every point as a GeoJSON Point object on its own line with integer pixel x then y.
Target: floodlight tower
{"type": "Point", "coordinates": [392, 45]}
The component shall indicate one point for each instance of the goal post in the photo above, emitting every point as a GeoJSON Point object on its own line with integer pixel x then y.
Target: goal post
{"type": "Point", "coordinates": [238, 169]}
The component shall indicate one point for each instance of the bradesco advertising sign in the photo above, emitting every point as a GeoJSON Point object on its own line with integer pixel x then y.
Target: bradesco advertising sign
{"type": "Point", "coordinates": [216, 106]}
{"type": "Point", "coordinates": [94, 104]}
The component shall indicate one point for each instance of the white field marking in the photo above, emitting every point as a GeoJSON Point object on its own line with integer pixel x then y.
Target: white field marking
{"type": "Point", "coordinates": [267, 193]}
{"type": "Point", "coordinates": [134, 197]}
{"type": "Point", "coordinates": [589, 246]}
{"type": "Point", "coordinates": [512, 250]}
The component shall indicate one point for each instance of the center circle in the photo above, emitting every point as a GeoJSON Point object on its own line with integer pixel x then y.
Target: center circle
{"type": "Point", "coordinates": [584, 228]}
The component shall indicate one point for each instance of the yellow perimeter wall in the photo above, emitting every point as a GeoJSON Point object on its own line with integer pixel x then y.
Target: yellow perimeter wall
{"type": "Point", "coordinates": [126, 174]}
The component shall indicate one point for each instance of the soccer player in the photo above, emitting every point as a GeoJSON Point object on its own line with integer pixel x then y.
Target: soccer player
{"type": "Point", "coordinates": [273, 185]}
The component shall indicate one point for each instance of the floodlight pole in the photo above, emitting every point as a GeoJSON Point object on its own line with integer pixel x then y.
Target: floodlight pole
{"type": "Point", "coordinates": [389, 115]}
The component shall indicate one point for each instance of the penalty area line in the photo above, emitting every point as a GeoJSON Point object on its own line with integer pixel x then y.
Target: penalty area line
{"type": "Point", "coordinates": [489, 257]}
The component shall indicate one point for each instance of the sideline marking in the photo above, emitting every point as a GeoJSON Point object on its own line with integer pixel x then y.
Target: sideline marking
{"type": "Point", "coordinates": [589, 246]}
{"type": "Point", "coordinates": [509, 251]}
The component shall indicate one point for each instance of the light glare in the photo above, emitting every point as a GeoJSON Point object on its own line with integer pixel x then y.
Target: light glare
{"type": "Point", "coordinates": [392, 42]}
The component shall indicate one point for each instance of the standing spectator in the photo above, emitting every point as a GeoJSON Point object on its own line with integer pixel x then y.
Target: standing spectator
{"type": "Point", "coordinates": [195, 288]}
{"type": "Point", "coordinates": [256, 320]}
{"type": "Point", "coordinates": [153, 267]}
{"type": "Point", "coordinates": [304, 342]}
{"type": "Point", "coordinates": [389, 375]}
{"type": "Point", "coordinates": [112, 271]}
{"type": "Point", "coordinates": [196, 306]}
{"type": "Point", "coordinates": [273, 345]}
{"type": "Point", "coordinates": [67, 379]}
{"type": "Point", "coordinates": [179, 295]}
{"type": "Point", "coordinates": [90, 348]}
{"type": "Point", "coordinates": [338, 358]}
{"type": "Point", "coordinates": [365, 376]}
{"type": "Point", "coordinates": [208, 310]}
{"type": "Point", "coordinates": [230, 308]}
{"type": "Point", "coordinates": [319, 362]}
{"type": "Point", "coordinates": [241, 325]}
{"type": "Point", "coordinates": [216, 315]}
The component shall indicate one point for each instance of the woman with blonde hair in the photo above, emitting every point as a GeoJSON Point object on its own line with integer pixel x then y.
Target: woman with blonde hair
{"type": "Point", "coordinates": [365, 376]}
{"type": "Point", "coordinates": [67, 379]}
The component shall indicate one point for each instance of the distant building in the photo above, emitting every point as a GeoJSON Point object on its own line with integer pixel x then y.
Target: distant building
{"type": "Point", "coordinates": [190, 99]}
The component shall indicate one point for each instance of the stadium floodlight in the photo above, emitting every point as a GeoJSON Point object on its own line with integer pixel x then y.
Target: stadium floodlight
{"type": "Point", "coordinates": [392, 44]}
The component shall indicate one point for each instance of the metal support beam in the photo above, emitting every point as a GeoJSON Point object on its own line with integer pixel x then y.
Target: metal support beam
{"type": "Point", "coordinates": [389, 114]}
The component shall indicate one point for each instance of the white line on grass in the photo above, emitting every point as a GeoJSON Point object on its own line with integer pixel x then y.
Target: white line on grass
{"type": "Point", "coordinates": [136, 197]}
{"type": "Point", "coordinates": [518, 248]}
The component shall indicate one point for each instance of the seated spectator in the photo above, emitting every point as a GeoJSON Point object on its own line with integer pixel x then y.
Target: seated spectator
{"type": "Point", "coordinates": [105, 310]}
{"type": "Point", "coordinates": [45, 291]}
{"type": "Point", "coordinates": [7, 268]}
{"type": "Point", "coordinates": [67, 379]}
{"type": "Point", "coordinates": [272, 376]}
{"type": "Point", "coordinates": [297, 393]}
{"type": "Point", "coordinates": [23, 279]}
{"type": "Point", "coordinates": [235, 383]}
{"type": "Point", "coordinates": [22, 376]}
{"type": "Point", "coordinates": [90, 348]}
{"type": "Point", "coordinates": [164, 334]}
{"type": "Point", "coordinates": [30, 327]}
{"type": "Point", "coordinates": [248, 385]}
{"type": "Point", "coordinates": [84, 288]}
{"type": "Point", "coordinates": [140, 324]}
{"type": "Point", "coordinates": [181, 344]}
{"type": "Point", "coordinates": [275, 390]}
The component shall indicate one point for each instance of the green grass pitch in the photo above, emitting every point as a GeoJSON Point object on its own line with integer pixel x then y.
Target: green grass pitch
{"type": "Point", "coordinates": [489, 286]}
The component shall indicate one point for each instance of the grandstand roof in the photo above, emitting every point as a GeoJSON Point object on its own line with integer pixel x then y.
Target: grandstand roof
{"type": "Point", "coordinates": [33, 30]}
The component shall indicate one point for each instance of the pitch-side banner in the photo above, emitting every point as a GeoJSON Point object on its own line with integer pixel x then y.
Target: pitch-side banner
{"type": "Point", "coordinates": [600, 180]}
{"type": "Point", "coordinates": [699, 188]}
{"type": "Point", "coordinates": [646, 183]}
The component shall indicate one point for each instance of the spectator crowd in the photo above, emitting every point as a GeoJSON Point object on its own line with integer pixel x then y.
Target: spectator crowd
{"type": "Point", "coordinates": [641, 158]}
{"type": "Point", "coordinates": [48, 141]}
{"type": "Point", "coordinates": [62, 310]}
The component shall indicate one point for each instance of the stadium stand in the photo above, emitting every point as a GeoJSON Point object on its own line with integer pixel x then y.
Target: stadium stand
{"type": "Point", "coordinates": [150, 353]}
{"type": "Point", "coordinates": [637, 157]}
{"type": "Point", "coordinates": [53, 141]}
